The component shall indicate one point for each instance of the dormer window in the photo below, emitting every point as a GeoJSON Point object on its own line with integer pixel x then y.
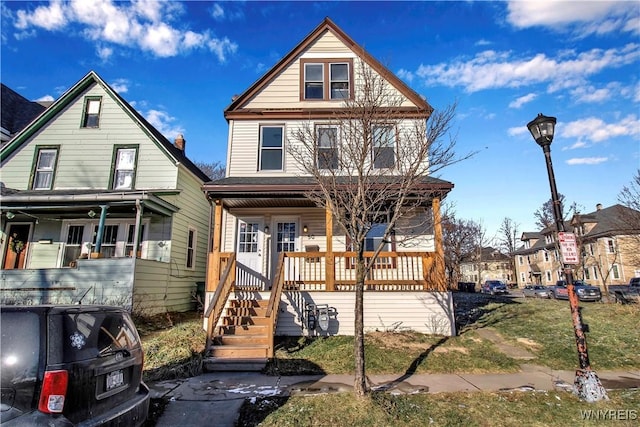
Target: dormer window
{"type": "Point", "coordinates": [91, 117]}
{"type": "Point", "coordinates": [326, 80]}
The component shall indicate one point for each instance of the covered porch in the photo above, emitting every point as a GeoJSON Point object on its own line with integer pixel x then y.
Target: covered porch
{"type": "Point", "coordinates": [404, 289]}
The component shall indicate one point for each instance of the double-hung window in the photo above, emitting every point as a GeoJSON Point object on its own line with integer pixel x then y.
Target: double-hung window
{"type": "Point", "coordinates": [271, 147]}
{"type": "Point", "coordinates": [384, 146]}
{"type": "Point", "coordinates": [313, 81]}
{"type": "Point", "coordinates": [131, 235]}
{"type": "Point", "coordinates": [109, 240]}
{"type": "Point", "coordinates": [91, 116]}
{"type": "Point", "coordinates": [339, 81]}
{"type": "Point", "coordinates": [124, 168]}
{"type": "Point", "coordinates": [326, 79]}
{"type": "Point", "coordinates": [73, 247]}
{"type": "Point", "coordinates": [45, 168]}
{"type": "Point", "coordinates": [191, 248]}
{"type": "Point", "coordinates": [327, 150]}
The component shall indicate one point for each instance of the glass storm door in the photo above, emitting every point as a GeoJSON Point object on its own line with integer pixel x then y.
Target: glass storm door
{"type": "Point", "coordinates": [249, 254]}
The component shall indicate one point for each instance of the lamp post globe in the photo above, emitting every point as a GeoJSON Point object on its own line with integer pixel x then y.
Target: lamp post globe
{"type": "Point", "coordinates": [542, 129]}
{"type": "Point", "coordinates": [587, 385]}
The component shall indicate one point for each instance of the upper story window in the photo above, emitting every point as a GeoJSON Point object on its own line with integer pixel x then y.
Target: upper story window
{"type": "Point", "coordinates": [91, 116]}
{"type": "Point", "coordinates": [44, 168]}
{"type": "Point", "coordinates": [326, 79]}
{"type": "Point", "coordinates": [271, 147]}
{"type": "Point", "coordinates": [384, 147]}
{"type": "Point", "coordinates": [520, 260]}
{"type": "Point", "coordinates": [327, 152]}
{"type": "Point", "coordinates": [611, 248]}
{"type": "Point", "coordinates": [124, 167]}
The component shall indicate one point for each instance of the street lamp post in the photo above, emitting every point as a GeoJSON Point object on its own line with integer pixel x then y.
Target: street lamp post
{"type": "Point", "coordinates": [587, 385]}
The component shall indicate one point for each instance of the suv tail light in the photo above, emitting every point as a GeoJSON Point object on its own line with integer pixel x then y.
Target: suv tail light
{"type": "Point", "coordinates": [54, 390]}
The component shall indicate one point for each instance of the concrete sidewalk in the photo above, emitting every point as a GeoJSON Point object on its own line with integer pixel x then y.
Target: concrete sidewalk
{"type": "Point", "coordinates": [218, 396]}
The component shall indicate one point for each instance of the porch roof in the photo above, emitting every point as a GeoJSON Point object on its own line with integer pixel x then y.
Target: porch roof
{"type": "Point", "coordinates": [70, 202]}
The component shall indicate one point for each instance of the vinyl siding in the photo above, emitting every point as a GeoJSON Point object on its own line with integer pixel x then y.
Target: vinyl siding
{"type": "Point", "coordinates": [85, 154]}
{"type": "Point", "coordinates": [244, 150]}
{"type": "Point", "coordinates": [284, 90]}
{"type": "Point", "coordinates": [424, 312]}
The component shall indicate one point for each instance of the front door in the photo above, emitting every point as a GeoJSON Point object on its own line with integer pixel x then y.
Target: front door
{"type": "Point", "coordinates": [284, 240]}
{"type": "Point", "coordinates": [17, 243]}
{"type": "Point", "coordinates": [249, 272]}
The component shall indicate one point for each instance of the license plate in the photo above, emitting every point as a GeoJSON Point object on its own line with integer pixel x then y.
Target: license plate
{"type": "Point", "coordinates": [115, 379]}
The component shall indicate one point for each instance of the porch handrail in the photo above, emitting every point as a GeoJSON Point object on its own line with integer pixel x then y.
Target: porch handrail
{"type": "Point", "coordinates": [220, 297]}
{"type": "Point", "coordinates": [274, 302]}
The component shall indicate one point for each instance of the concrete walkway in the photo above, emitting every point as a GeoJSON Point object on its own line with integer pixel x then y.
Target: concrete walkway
{"type": "Point", "coordinates": [216, 398]}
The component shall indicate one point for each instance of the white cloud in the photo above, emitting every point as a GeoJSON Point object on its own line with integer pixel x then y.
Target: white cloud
{"type": "Point", "coordinates": [405, 75]}
{"type": "Point", "coordinates": [217, 12]}
{"type": "Point", "coordinates": [483, 42]}
{"type": "Point", "coordinates": [517, 131]}
{"type": "Point", "coordinates": [523, 100]}
{"type": "Point", "coordinates": [579, 17]}
{"type": "Point", "coordinates": [490, 69]}
{"type": "Point", "coordinates": [586, 160]}
{"type": "Point", "coordinates": [46, 98]}
{"type": "Point", "coordinates": [595, 130]}
{"type": "Point", "coordinates": [50, 17]}
{"type": "Point", "coordinates": [120, 85]}
{"type": "Point", "coordinates": [163, 122]}
{"type": "Point", "coordinates": [142, 24]}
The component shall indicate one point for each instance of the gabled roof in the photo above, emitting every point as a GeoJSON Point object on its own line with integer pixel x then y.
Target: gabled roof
{"type": "Point", "coordinates": [614, 220]}
{"type": "Point", "coordinates": [328, 25]}
{"type": "Point", "coordinates": [17, 111]}
{"type": "Point", "coordinates": [175, 154]}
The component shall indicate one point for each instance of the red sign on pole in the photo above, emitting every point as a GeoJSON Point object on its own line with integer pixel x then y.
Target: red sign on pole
{"type": "Point", "coordinates": [568, 248]}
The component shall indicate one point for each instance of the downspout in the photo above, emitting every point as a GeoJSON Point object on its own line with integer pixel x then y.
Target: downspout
{"type": "Point", "coordinates": [103, 218]}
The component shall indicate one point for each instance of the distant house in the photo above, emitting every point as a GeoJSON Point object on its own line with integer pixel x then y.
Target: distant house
{"type": "Point", "coordinates": [16, 112]}
{"type": "Point", "coordinates": [609, 243]}
{"type": "Point", "coordinates": [487, 264]}
{"type": "Point", "coordinates": [269, 237]}
{"type": "Point", "coordinates": [98, 206]}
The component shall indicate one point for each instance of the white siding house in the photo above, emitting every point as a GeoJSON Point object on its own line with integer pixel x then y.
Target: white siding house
{"type": "Point", "coordinates": [272, 245]}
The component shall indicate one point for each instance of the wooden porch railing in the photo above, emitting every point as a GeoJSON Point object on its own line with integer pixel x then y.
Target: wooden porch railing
{"type": "Point", "coordinates": [274, 302]}
{"type": "Point", "coordinates": [392, 271]}
{"type": "Point", "coordinates": [221, 295]}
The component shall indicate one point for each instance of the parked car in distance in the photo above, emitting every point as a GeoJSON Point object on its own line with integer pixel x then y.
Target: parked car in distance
{"type": "Point", "coordinates": [536, 291]}
{"type": "Point", "coordinates": [585, 291]}
{"type": "Point", "coordinates": [494, 287]}
{"type": "Point", "coordinates": [623, 292]}
{"type": "Point", "coordinates": [71, 365]}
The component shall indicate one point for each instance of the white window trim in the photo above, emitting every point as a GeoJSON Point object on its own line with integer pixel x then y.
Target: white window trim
{"type": "Point", "coordinates": [282, 147]}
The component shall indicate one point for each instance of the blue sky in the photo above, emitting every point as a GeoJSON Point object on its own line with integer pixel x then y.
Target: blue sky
{"type": "Point", "coordinates": [180, 63]}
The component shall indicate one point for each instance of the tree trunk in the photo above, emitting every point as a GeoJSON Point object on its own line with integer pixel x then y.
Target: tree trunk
{"type": "Point", "coordinates": [360, 383]}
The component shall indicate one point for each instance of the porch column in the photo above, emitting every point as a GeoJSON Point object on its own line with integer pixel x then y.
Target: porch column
{"type": "Point", "coordinates": [439, 279]}
{"type": "Point", "coordinates": [213, 273]}
{"type": "Point", "coordinates": [330, 273]}
{"type": "Point", "coordinates": [103, 218]}
{"type": "Point", "coordinates": [136, 237]}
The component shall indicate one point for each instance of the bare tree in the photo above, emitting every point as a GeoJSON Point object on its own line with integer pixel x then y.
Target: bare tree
{"type": "Point", "coordinates": [544, 215]}
{"type": "Point", "coordinates": [459, 244]}
{"type": "Point", "coordinates": [372, 163]}
{"type": "Point", "coordinates": [508, 238]}
{"type": "Point", "coordinates": [630, 197]}
{"type": "Point", "coordinates": [214, 170]}
{"type": "Point", "coordinates": [480, 241]}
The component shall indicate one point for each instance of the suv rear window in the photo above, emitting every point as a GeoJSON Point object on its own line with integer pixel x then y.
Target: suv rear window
{"type": "Point", "coordinates": [92, 334]}
{"type": "Point", "coordinates": [20, 346]}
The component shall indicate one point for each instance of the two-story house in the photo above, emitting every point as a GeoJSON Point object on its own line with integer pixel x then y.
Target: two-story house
{"type": "Point", "coordinates": [486, 264]}
{"type": "Point", "coordinates": [274, 250]}
{"type": "Point", "coordinates": [608, 240]}
{"type": "Point", "coordinates": [98, 206]}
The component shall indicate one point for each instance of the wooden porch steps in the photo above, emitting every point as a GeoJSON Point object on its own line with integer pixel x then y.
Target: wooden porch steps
{"type": "Point", "coordinates": [241, 342]}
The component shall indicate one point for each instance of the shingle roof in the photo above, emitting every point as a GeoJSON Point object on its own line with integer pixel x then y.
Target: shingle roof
{"type": "Point", "coordinates": [17, 111]}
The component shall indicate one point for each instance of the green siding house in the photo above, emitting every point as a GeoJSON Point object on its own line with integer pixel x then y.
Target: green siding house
{"type": "Point", "coordinates": [98, 207]}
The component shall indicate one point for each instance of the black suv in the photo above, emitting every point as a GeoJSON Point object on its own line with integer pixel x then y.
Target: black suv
{"type": "Point", "coordinates": [71, 365]}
